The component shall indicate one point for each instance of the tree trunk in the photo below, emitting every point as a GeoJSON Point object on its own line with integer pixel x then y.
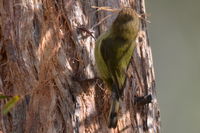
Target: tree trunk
{"type": "Point", "coordinates": [47, 58]}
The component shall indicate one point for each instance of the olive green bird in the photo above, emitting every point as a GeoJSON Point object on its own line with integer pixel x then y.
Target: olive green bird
{"type": "Point", "coordinates": [113, 52]}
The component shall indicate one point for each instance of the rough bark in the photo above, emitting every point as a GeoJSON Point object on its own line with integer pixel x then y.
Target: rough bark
{"type": "Point", "coordinates": [47, 57]}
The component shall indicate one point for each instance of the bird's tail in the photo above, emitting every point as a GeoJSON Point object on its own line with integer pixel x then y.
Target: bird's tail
{"type": "Point", "coordinates": [113, 114]}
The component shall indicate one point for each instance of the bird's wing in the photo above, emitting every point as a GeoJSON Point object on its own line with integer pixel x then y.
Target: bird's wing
{"type": "Point", "coordinates": [110, 58]}
{"type": "Point", "coordinates": [117, 57]}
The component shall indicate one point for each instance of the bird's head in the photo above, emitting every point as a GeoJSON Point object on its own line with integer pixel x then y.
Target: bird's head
{"type": "Point", "coordinates": [126, 25]}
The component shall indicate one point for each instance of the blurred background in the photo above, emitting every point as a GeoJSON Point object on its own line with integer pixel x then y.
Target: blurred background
{"type": "Point", "coordinates": [175, 40]}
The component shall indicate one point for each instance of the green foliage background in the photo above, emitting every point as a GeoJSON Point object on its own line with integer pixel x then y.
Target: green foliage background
{"type": "Point", "coordinates": [175, 39]}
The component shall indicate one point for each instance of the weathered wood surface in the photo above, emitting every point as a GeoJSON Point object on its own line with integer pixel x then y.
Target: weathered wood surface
{"type": "Point", "coordinates": [46, 48]}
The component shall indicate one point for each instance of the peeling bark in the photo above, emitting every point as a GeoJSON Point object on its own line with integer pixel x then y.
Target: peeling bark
{"type": "Point", "coordinates": [47, 57]}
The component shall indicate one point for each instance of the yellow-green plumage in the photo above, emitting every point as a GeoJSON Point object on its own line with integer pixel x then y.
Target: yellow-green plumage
{"type": "Point", "coordinates": [113, 52]}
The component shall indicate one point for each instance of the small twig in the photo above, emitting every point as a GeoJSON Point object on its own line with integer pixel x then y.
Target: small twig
{"type": "Point", "coordinates": [87, 31]}
{"type": "Point", "coordinates": [99, 85]}
{"type": "Point", "coordinates": [95, 25]}
{"type": "Point", "coordinates": [106, 8]}
{"type": "Point", "coordinates": [141, 16]}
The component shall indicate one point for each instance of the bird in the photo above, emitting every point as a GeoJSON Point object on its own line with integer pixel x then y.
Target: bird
{"type": "Point", "coordinates": [113, 52]}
